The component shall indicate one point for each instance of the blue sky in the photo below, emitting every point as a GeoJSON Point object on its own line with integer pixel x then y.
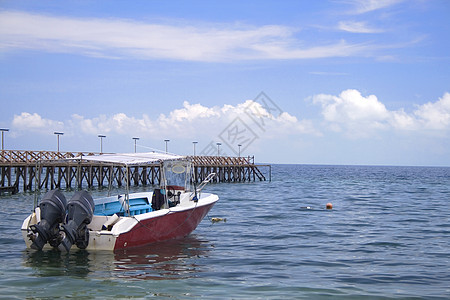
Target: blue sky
{"type": "Point", "coordinates": [320, 82]}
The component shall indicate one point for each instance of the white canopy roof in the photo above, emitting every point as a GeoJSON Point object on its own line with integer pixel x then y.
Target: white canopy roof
{"type": "Point", "coordinates": [132, 158]}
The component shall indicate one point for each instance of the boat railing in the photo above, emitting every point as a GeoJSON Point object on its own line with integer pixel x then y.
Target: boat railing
{"type": "Point", "coordinates": [205, 182]}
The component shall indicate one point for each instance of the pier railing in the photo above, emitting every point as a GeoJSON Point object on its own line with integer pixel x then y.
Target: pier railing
{"type": "Point", "coordinates": [26, 156]}
{"type": "Point", "coordinates": [19, 170]}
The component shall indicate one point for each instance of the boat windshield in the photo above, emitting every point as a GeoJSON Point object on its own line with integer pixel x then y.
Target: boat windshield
{"type": "Point", "coordinates": [177, 173]}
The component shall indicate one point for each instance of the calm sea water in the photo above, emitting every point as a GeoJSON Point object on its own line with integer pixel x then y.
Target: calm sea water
{"type": "Point", "coordinates": [387, 236]}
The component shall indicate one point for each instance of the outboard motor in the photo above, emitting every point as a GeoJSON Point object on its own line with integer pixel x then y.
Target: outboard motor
{"type": "Point", "coordinates": [80, 210]}
{"type": "Point", "coordinates": [53, 210]}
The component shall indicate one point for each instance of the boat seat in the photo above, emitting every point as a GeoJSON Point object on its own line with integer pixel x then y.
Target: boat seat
{"type": "Point", "coordinates": [109, 209]}
{"type": "Point", "coordinates": [140, 209]}
{"type": "Point", "coordinates": [137, 206]}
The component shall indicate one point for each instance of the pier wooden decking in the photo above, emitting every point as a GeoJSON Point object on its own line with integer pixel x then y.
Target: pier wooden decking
{"type": "Point", "coordinates": [19, 170]}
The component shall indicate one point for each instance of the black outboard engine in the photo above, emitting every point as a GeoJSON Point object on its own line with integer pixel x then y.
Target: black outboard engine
{"type": "Point", "coordinates": [80, 210]}
{"type": "Point", "coordinates": [53, 210]}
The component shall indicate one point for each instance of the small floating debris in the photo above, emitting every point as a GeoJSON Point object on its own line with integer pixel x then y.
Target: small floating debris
{"type": "Point", "coordinates": [216, 220]}
{"type": "Point", "coordinates": [327, 206]}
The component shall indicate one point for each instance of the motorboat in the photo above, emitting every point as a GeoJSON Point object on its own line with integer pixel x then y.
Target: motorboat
{"type": "Point", "coordinates": [127, 220]}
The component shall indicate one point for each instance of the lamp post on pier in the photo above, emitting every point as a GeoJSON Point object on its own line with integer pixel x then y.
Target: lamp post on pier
{"type": "Point", "coordinates": [218, 148]}
{"type": "Point", "coordinates": [57, 136]}
{"type": "Point", "coordinates": [101, 136]}
{"type": "Point", "coordinates": [135, 140]}
{"type": "Point", "coordinates": [239, 150]}
{"type": "Point", "coordinates": [3, 130]}
{"type": "Point", "coordinates": [166, 144]}
{"type": "Point", "coordinates": [194, 143]}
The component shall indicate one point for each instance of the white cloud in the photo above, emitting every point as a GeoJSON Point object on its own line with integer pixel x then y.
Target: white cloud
{"type": "Point", "coordinates": [402, 120]}
{"type": "Point", "coordinates": [365, 6]}
{"type": "Point", "coordinates": [287, 123]}
{"type": "Point", "coordinates": [189, 114]}
{"type": "Point", "coordinates": [435, 115]}
{"type": "Point", "coordinates": [350, 112]}
{"type": "Point", "coordinates": [353, 111]}
{"type": "Point", "coordinates": [35, 123]}
{"type": "Point", "coordinates": [357, 27]}
{"type": "Point", "coordinates": [118, 123]}
{"type": "Point", "coordinates": [113, 38]}
{"type": "Point", "coordinates": [191, 121]}
{"type": "Point", "coordinates": [359, 116]}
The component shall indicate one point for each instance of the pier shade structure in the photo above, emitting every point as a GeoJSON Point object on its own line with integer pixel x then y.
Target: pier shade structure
{"type": "Point", "coordinates": [29, 170]}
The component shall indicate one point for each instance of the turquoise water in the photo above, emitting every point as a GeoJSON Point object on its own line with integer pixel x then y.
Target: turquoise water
{"type": "Point", "coordinates": [387, 236]}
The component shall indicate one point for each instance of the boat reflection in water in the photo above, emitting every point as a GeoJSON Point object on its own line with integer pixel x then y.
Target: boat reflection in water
{"type": "Point", "coordinates": [174, 259]}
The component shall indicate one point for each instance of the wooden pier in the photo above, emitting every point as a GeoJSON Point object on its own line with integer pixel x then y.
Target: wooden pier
{"type": "Point", "coordinates": [20, 170]}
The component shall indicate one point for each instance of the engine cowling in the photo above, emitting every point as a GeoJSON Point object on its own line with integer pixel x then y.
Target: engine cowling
{"type": "Point", "coordinates": [80, 210]}
{"type": "Point", "coordinates": [53, 210]}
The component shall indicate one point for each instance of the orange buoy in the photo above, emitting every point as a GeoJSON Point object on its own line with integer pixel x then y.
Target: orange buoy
{"type": "Point", "coordinates": [329, 206]}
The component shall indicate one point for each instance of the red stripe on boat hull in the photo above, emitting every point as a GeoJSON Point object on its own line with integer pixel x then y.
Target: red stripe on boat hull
{"type": "Point", "coordinates": [170, 226]}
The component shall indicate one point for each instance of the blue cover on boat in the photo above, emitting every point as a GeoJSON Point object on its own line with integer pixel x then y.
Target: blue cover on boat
{"type": "Point", "coordinates": [137, 206]}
